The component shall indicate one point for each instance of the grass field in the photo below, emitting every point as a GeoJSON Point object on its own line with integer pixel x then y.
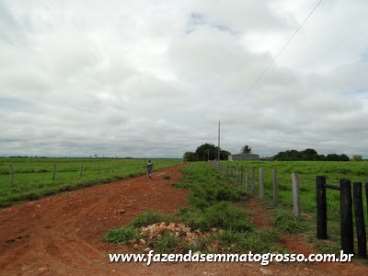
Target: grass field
{"type": "Point", "coordinates": [308, 170]}
{"type": "Point", "coordinates": [35, 177]}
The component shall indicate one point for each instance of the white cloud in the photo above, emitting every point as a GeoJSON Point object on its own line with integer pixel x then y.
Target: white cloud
{"type": "Point", "coordinates": [153, 77]}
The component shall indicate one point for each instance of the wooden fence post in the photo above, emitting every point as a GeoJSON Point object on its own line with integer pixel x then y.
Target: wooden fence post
{"type": "Point", "coordinates": [54, 173]}
{"type": "Point", "coordinates": [359, 219]}
{"type": "Point", "coordinates": [295, 188]}
{"type": "Point", "coordinates": [261, 183]}
{"type": "Point", "coordinates": [321, 207]}
{"type": "Point", "coordinates": [347, 234]}
{"type": "Point", "coordinates": [275, 188]}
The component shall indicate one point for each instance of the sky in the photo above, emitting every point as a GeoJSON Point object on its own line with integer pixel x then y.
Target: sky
{"type": "Point", "coordinates": [152, 78]}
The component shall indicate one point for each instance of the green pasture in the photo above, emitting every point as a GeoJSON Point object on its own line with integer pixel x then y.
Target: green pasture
{"type": "Point", "coordinates": [30, 178]}
{"type": "Point", "coordinates": [307, 170]}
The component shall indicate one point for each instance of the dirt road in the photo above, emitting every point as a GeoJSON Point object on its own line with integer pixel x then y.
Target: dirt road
{"type": "Point", "coordinates": [62, 234]}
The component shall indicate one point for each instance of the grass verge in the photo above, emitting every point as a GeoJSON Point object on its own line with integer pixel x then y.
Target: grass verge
{"type": "Point", "coordinates": [215, 222]}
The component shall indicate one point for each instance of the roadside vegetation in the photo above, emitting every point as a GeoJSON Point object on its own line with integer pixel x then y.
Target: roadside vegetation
{"type": "Point", "coordinates": [215, 211]}
{"type": "Point", "coordinates": [212, 222]}
{"type": "Point", "coordinates": [31, 178]}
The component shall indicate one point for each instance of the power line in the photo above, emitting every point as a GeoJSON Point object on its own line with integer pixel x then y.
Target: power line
{"type": "Point", "coordinates": [282, 50]}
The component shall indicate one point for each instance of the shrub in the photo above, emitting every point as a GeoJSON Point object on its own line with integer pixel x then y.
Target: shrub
{"type": "Point", "coordinates": [204, 195]}
{"type": "Point", "coordinates": [229, 238]}
{"type": "Point", "coordinates": [260, 242]}
{"type": "Point", "coordinates": [166, 243]}
{"type": "Point", "coordinates": [256, 241]}
{"type": "Point", "coordinates": [190, 156]}
{"type": "Point", "coordinates": [192, 217]}
{"type": "Point", "coordinates": [286, 222]}
{"type": "Point", "coordinates": [220, 215]}
{"type": "Point", "coordinates": [226, 216]}
{"type": "Point", "coordinates": [122, 235]}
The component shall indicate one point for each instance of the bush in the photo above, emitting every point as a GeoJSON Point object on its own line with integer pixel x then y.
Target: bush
{"type": "Point", "coordinates": [286, 222]}
{"type": "Point", "coordinates": [122, 235]}
{"type": "Point", "coordinates": [190, 156]}
{"type": "Point", "coordinates": [167, 243]}
{"type": "Point", "coordinates": [229, 238]}
{"type": "Point", "coordinates": [192, 217]}
{"type": "Point", "coordinates": [259, 241]}
{"type": "Point", "coordinates": [226, 216]}
{"type": "Point", "coordinates": [203, 196]}
{"type": "Point", "coordinates": [220, 215]}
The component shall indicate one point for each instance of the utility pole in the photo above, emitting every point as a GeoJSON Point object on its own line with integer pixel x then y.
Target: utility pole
{"type": "Point", "coordinates": [218, 146]}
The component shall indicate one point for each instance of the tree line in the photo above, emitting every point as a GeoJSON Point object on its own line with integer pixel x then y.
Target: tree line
{"type": "Point", "coordinates": [209, 152]}
{"type": "Point", "coordinates": [206, 152]}
{"type": "Point", "coordinates": [308, 155]}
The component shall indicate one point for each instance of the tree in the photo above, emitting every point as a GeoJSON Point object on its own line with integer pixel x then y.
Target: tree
{"type": "Point", "coordinates": [206, 152]}
{"type": "Point", "coordinates": [246, 149]}
{"type": "Point", "coordinates": [289, 155]}
{"type": "Point", "coordinates": [190, 156]}
{"type": "Point", "coordinates": [308, 154]}
{"type": "Point", "coordinates": [337, 157]}
{"type": "Point", "coordinates": [224, 155]}
{"type": "Point", "coordinates": [332, 157]}
{"type": "Point", "coordinates": [344, 157]}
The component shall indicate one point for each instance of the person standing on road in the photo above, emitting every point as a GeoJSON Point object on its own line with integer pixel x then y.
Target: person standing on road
{"type": "Point", "coordinates": [149, 168]}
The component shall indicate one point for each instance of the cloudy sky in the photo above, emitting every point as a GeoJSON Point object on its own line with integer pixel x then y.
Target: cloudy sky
{"type": "Point", "coordinates": [153, 77]}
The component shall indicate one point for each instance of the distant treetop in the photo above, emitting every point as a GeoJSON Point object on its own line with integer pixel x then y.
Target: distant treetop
{"type": "Point", "coordinates": [246, 149]}
{"type": "Point", "coordinates": [206, 152]}
{"type": "Point", "coordinates": [308, 155]}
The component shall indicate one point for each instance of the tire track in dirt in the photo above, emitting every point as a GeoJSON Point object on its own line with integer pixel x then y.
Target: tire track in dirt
{"type": "Point", "coordinates": [62, 234]}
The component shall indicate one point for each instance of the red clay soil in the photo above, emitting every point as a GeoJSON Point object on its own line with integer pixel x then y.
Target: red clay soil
{"type": "Point", "coordinates": [297, 244]}
{"type": "Point", "coordinates": [62, 234]}
{"type": "Point", "coordinates": [262, 219]}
